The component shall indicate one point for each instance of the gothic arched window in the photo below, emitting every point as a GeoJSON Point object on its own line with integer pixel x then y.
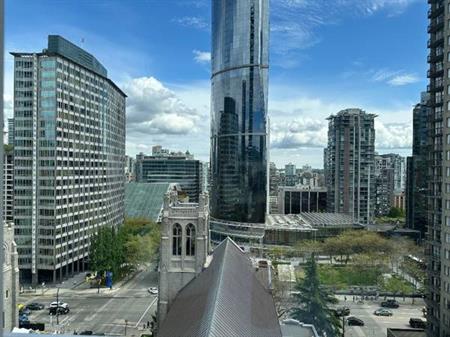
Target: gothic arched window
{"type": "Point", "coordinates": [176, 240]}
{"type": "Point", "coordinates": [190, 240]}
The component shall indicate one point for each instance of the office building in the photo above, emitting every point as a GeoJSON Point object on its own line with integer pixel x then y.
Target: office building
{"type": "Point", "coordinates": [294, 200]}
{"type": "Point", "coordinates": [171, 167]}
{"type": "Point", "coordinates": [10, 131]}
{"type": "Point", "coordinates": [239, 161]}
{"type": "Point", "coordinates": [8, 183]}
{"type": "Point", "coordinates": [417, 185]}
{"type": "Point", "coordinates": [350, 164]}
{"type": "Point", "coordinates": [438, 174]}
{"type": "Point", "coordinates": [10, 279]}
{"type": "Point", "coordinates": [69, 157]}
{"type": "Point", "coordinates": [290, 175]}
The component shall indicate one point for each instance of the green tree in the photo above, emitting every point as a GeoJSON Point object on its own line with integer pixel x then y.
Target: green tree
{"type": "Point", "coordinates": [313, 301]}
{"type": "Point", "coordinates": [396, 212]}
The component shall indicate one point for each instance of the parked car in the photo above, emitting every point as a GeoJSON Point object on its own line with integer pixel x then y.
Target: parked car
{"type": "Point", "coordinates": [24, 311]}
{"type": "Point", "coordinates": [86, 333]}
{"type": "Point", "coordinates": [59, 304]}
{"type": "Point", "coordinates": [355, 321]}
{"type": "Point", "coordinates": [383, 312]}
{"type": "Point", "coordinates": [390, 304]}
{"type": "Point", "coordinates": [153, 290]}
{"type": "Point", "coordinates": [35, 306]}
{"type": "Point", "coordinates": [417, 323]}
{"type": "Point", "coordinates": [58, 310]}
{"type": "Point", "coordinates": [342, 311]}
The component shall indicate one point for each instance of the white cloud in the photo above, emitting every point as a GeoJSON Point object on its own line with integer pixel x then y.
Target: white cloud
{"type": "Point", "coordinates": [152, 108]}
{"type": "Point", "coordinates": [197, 22]}
{"type": "Point", "coordinates": [394, 78]}
{"type": "Point", "coordinates": [202, 56]}
{"type": "Point", "coordinates": [404, 79]}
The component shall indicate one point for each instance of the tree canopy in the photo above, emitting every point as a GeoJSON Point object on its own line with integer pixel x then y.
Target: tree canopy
{"type": "Point", "coordinates": [313, 301]}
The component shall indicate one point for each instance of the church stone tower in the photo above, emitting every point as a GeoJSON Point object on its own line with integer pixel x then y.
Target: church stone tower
{"type": "Point", "coordinates": [184, 246]}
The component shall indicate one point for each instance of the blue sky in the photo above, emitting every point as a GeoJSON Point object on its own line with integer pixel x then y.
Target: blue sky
{"type": "Point", "coordinates": [325, 55]}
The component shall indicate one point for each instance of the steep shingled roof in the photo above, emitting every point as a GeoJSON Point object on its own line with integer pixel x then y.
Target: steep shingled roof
{"type": "Point", "coordinates": [226, 299]}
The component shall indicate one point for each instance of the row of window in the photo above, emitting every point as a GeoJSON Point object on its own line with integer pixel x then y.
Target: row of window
{"type": "Point", "coordinates": [177, 240]}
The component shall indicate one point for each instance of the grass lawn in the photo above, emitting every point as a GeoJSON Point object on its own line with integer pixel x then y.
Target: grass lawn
{"type": "Point", "coordinates": [346, 276]}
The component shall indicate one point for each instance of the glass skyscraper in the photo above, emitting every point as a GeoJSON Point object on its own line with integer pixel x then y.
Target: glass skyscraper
{"type": "Point", "coordinates": [240, 35]}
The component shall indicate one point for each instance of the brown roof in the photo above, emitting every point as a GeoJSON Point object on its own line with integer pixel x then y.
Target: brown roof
{"type": "Point", "coordinates": [226, 299]}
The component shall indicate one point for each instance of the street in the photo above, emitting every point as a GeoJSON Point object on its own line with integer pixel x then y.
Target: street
{"type": "Point", "coordinates": [375, 326]}
{"type": "Point", "coordinates": [111, 312]}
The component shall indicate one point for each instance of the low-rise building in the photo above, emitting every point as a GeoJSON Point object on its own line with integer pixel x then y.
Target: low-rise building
{"type": "Point", "coordinates": [299, 199]}
{"type": "Point", "coordinates": [393, 332]}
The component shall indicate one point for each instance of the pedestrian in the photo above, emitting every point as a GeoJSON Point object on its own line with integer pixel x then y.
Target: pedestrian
{"type": "Point", "coordinates": [345, 298]}
{"type": "Point", "coordinates": [148, 324]}
{"type": "Point", "coordinates": [353, 298]}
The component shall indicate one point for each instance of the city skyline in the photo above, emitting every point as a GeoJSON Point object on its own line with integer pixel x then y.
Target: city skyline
{"type": "Point", "coordinates": [168, 81]}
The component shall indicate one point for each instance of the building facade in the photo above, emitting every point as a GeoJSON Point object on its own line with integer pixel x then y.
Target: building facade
{"type": "Point", "coordinates": [295, 200]}
{"type": "Point", "coordinates": [350, 164]}
{"type": "Point", "coordinates": [184, 246]}
{"type": "Point", "coordinates": [416, 185]}
{"type": "Point", "coordinates": [390, 176]}
{"type": "Point", "coordinates": [10, 279]}
{"type": "Point", "coordinates": [438, 174]}
{"type": "Point", "coordinates": [240, 34]}
{"type": "Point", "coordinates": [169, 167]}
{"type": "Point", "coordinates": [69, 157]}
{"type": "Point", "coordinates": [10, 131]}
{"type": "Point", "coordinates": [8, 184]}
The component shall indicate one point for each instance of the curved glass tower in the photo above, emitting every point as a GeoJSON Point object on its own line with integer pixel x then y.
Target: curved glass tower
{"type": "Point", "coordinates": [240, 35]}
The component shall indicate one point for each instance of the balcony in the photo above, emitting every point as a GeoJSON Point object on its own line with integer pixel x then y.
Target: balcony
{"type": "Point", "coordinates": [435, 72]}
{"type": "Point", "coordinates": [437, 41]}
{"type": "Point", "coordinates": [433, 58]}
{"type": "Point", "coordinates": [436, 10]}
{"type": "Point", "coordinates": [436, 24]}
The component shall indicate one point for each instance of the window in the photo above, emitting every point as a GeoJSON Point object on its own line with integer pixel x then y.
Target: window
{"type": "Point", "coordinates": [176, 240]}
{"type": "Point", "coordinates": [190, 240]}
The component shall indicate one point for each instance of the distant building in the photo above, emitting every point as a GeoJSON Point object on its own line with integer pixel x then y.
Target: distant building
{"type": "Point", "coordinates": [8, 184]}
{"type": "Point", "coordinates": [274, 179]}
{"type": "Point", "coordinates": [170, 167]}
{"type": "Point", "coordinates": [69, 156]}
{"type": "Point", "coordinates": [350, 164]}
{"type": "Point", "coordinates": [417, 167]}
{"type": "Point", "coordinates": [130, 169]}
{"type": "Point", "coordinates": [10, 279]}
{"type": "Point", "coordinates": [390, 177]}
{"type": "Point", "coordinates": [291, 178]}
{"type": "Point", "coordinates": [10, 131]}
{"type": "Point", "coordinates": [294, 200]}
{"type": "Point", "coordinates": [399, 200]}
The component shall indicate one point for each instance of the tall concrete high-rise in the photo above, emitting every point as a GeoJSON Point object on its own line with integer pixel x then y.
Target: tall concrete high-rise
{"type": "Point", "coordinates": [239, 132]}
{"type": "Point", "coordinates": [416, 184]}
{"type": "Point", "coordinates": [438, 173]}
{"type": "Point", "coordinates": [350, 164]}
{"type": "Point", "coordinates": [69, 157]}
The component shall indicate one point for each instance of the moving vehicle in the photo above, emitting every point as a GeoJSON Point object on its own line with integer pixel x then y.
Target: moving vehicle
{"type": "Point", "coordinates": [86, 333]}
{"type": "Point", "coordinates": [383, 312]}
{"type": "Point", "coordinates": [58, 310]}
{"type": "Point", "coordinates": [417, 323]}
{"type": "Point", "coordinates": [355, 321]}
{"type": "Point", "coordinates": [59, 304]}
{"type": "Point", "coordinates": [35, 306]}
{"type": "Point", "coordinates": [153, 290]}
{"type": "Point", "coordinates": [390, 304]}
